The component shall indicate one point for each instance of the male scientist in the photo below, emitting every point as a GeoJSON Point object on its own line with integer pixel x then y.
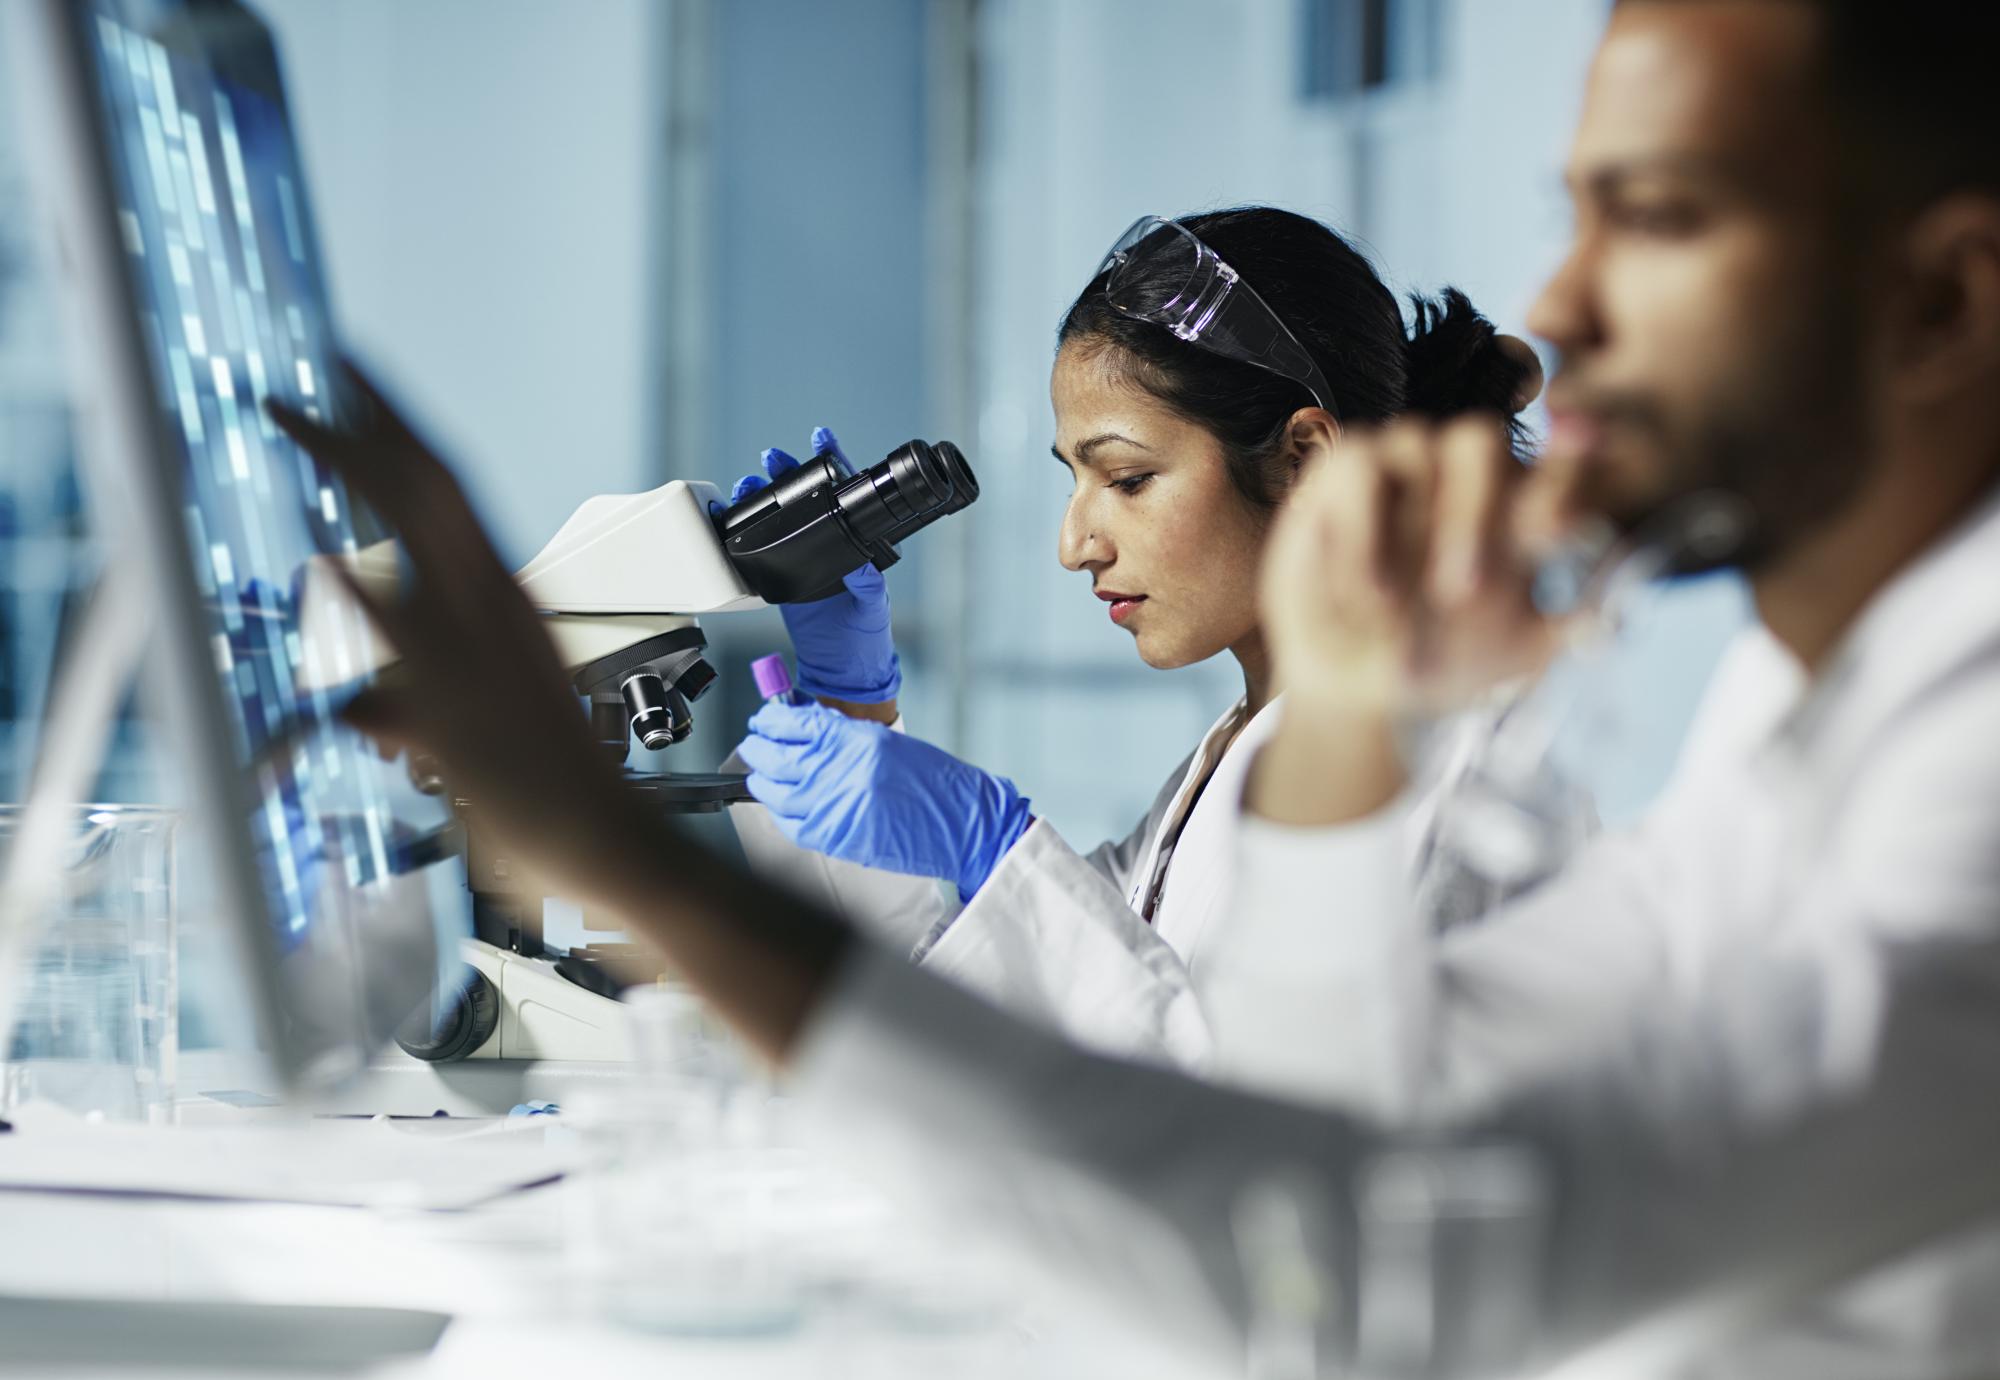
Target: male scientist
{"type": "Point", "coordinates": [1755, 1041]}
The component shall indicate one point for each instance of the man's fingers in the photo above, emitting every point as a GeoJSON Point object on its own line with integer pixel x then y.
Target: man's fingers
{"type": "Point", "coordinates": [1408, 457]}
{"type": "Point", "coordinates": [407, 460]}
{"type": "Point", "coordinates": [360, 465]}
{"type": "Point", "coordinates": [1355, 507]}
{"type": "Point", "coordinates": [1476, 480]}
{"type": "Point", "coordinates": [1294, 557]}
{"type": "Point", "coordinates": [383, 417]}
{"type": "Point", "coordinates": [385, 717]}
{"type": "Point", "coordinates": [391, 622]}
{"type": "Point", "coordinates": [411, 490]}
{"type": "Point", "coordinates": [1374, 562]}
{"type": "Point", "coordinates": [778, 462]}
{"type": "Point", "coordinates": [315, 438]}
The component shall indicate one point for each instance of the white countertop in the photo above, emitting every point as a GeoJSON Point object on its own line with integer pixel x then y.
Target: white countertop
{"type": "Point", "coordinates": [509, 1275]}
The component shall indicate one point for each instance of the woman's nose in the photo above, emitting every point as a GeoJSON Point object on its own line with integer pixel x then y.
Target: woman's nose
{"type": "Point", "coordinates": [1078, 546]}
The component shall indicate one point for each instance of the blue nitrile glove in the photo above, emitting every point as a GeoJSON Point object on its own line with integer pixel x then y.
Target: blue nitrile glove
{"type": "Point", "coordinates": [845, 651]}
{"type": "Point", "coordinates": [861, 791]}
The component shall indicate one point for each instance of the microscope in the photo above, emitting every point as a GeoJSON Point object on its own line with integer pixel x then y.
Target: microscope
{"type": "Point", "coordinates": [622, 586]}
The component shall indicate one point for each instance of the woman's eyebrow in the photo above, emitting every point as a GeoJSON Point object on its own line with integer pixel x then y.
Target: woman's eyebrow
{"type": "Point", "coordinates": [1085, 447]}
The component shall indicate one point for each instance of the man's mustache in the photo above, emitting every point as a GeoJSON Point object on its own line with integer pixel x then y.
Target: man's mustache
{"type": "Point", "coordinates": [1608, 405]}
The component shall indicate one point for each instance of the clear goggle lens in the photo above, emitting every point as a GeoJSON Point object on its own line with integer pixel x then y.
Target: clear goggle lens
{"type": "Point", "coordinates": [1159, 271]}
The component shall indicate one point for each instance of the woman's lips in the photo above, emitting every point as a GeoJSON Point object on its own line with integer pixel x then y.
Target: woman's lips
{"type": "Point", "coordinates": [1122, 605]}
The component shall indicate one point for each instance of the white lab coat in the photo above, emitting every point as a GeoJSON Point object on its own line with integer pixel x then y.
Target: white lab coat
{"type": "Point", "coordinates": [1738, 956]}
{"type": "Point", "coordinates": [1111, 946]}
{"type": "Point", "coordinates": [1739, 1035]}
{"type": "Point", "coordinates": [1056, 934]}
{"type": "Point", "coordinates": [1126, 948]}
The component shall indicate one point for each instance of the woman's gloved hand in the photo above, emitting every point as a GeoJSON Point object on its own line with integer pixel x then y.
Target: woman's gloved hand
{"type": "Point", "coordinates": [860, 791]}
{"type": "Point", "coordinates": [845, 651]}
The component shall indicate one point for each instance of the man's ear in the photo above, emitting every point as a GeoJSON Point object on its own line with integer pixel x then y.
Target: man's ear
{"type": "Point", "coordinates": [1312, 433]}
{"type": "Point", "coordinates": [1944, 326]}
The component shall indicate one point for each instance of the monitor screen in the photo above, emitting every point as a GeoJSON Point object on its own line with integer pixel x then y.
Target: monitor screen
{"type": "Point", "coordinates": [225, 277]}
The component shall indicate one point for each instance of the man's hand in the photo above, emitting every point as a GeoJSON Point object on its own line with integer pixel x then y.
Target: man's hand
{"type": "Point", "coordinates": [479, 686]}
{"type": "Point", "coordinates": [1396, 586]}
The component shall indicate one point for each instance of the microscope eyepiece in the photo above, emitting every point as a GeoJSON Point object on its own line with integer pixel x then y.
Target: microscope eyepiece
{"type": "Point", "coordinates": [792, 541]}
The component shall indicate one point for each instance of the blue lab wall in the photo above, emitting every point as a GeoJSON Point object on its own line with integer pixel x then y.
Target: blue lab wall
{"type": "Point", "coordinates": [484, 175]}
{"type": "Point", "coordinates": [819, 229]}
{"type": "Point", "coordinates": [814, 216]}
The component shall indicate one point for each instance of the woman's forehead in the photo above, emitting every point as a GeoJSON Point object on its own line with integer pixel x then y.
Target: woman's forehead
{"type": "Point", "coordinates": [1095, 387]}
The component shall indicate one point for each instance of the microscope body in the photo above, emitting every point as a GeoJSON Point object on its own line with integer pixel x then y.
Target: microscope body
{"type": "Point", "coordinates": [622, 587]}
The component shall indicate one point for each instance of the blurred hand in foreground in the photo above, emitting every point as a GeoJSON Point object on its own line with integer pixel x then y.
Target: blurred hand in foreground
{"type": "Point", "coordinates": [1397, 586]}
{"type": "Point", "coordinates": [479, 686]}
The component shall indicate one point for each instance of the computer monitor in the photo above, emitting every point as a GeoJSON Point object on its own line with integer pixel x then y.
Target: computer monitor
{"type": "Point", "coordinates": [186, 238]}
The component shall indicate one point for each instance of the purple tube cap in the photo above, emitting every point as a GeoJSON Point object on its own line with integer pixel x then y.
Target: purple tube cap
{"type": "Point", "coordinates": [773, 677]}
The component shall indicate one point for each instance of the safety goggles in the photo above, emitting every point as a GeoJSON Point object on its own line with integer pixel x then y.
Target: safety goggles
{"type": "Point", "coordinates": [1160, 272]}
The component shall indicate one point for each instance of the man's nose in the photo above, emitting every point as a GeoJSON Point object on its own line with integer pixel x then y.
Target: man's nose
{"type": "Point", "coordinates": [1565, 312]}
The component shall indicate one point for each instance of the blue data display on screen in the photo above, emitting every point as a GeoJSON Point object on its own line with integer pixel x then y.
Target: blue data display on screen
{"type": "Point", "coordinates": [216, 234]}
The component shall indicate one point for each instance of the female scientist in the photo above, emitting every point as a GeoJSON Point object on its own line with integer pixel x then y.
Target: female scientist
{"type": "Point", "coordinates": [1206, 361]}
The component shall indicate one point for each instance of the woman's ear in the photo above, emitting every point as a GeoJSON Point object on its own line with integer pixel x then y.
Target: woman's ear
{"type": "Point", "coordinates": [1311, 434]}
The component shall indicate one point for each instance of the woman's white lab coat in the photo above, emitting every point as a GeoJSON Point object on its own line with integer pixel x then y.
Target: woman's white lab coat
{"type": "Point", "coordinates": [1123, 948]}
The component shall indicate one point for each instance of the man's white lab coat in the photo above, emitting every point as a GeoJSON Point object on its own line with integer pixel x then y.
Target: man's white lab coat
{"type": "Point", "coordinates": [1734, 1033]}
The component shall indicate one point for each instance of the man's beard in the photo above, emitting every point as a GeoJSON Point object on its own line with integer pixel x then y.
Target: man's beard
{"type": "Point", "coordinates": [1793, 468]}
{"type": "Point", "coordinates": [1774, 463]}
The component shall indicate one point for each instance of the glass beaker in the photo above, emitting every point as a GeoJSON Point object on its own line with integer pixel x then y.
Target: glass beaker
{"type": "Point", "coordinates": [97, 1026]}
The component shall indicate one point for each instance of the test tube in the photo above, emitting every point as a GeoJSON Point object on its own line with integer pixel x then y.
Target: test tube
{"type": "Point", "coordinates": [774, 680]}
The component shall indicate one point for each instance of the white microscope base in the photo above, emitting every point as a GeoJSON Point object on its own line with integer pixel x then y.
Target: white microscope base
{"type": "Point", "coordinates": [543, 1015]}
{"type": "Point", "coordinates": [554, 1039]}
{"type": "Point", "coordinates": [397, 1085]}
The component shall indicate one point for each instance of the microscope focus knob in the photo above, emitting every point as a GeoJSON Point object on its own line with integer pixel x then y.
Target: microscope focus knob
{"type": "Point", "coordinates": [660, 713]}
{"type": "Point", "coordinates": [470, 1017]}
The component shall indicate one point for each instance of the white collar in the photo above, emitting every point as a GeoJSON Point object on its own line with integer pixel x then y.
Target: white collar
{"type": "Point", "coordinates": [1938, 613]}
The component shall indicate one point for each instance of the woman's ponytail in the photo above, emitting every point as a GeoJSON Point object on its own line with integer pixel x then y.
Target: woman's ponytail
{"type": "Point", "coordinates": [1459, 363]}
{"type": "Point", "coordinates": [1456, 361]}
